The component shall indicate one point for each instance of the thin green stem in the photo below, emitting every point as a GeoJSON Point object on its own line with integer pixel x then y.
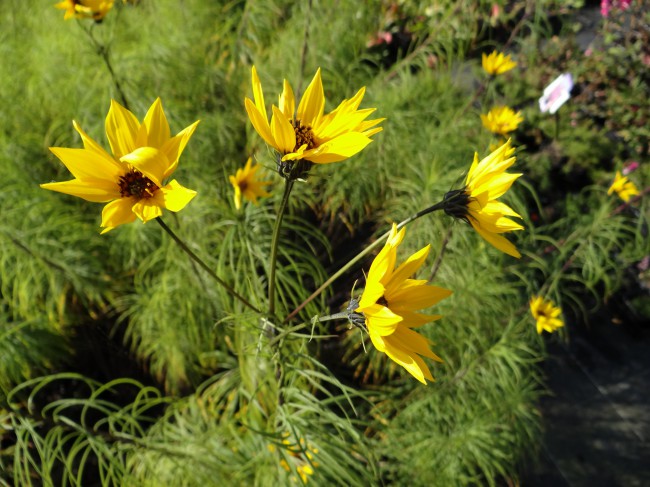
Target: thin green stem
{"type": "Point", "coordinates": [360, 255]}
{"type": "Point", "coordinates": [337, 316]}
{"type": "Point", "coordinates": [441, 254]}
{"type": "Point", "coordinates": [104, 53]}
{"type": "Point", "coordinates": [305, 45]}
{"type": "Point", "coordinates": [275, 239]}
{"type": "Point", "coordinates": [205, 267]}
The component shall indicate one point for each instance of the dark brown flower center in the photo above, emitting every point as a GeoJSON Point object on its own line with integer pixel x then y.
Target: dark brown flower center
{"type": "Point", "coordinates": [382, 301]}
{"type": "Point", "coordinates": [134, 183]}
{"type": "Point", "coordinates": [304, 135]}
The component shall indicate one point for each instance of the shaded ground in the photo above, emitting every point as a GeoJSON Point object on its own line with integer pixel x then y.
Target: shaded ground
{"type": "Point", "coordinates": [597, 419]}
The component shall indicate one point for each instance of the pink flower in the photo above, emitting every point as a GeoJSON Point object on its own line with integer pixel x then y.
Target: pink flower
{"type": "Point", "coordinates": [606, 5]}
{"type": "Point", "coordinates": [630, 167]}
{"type": "Point", "coordinates": [604, 8]}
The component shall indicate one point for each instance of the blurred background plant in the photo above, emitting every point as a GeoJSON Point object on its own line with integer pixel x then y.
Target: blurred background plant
{"type": "Point", "coordinates": [120, 364]}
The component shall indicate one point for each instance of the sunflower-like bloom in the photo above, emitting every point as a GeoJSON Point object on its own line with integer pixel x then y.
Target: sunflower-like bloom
{"type": "Point", "coordinates": [85, 9]}
{"type": "Point", "coordinates": [477, 201]}
{"type": "Point", "coordinates": [246, 184]}
{"type": "Point", "coordinates": [546, 314]}
{"type": "Point", "coordinates": [624, 188]}
{"type": "Point", "coordinates": [390, 302]}
{"type": "Point", "coordinates": [308, 133]}
{"type": "Point", "coordinates": [301, 457]}
{"type": "Point", "coordinates": [497, 63]}
{"type": "Point", "coordinates": [502, 120]}
{"type": "Point", "coordinates": [131, 181]}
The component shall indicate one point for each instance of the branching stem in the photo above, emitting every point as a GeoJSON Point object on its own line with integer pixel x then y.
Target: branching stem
{"type": "Point", "coordinates": [360, 255]}
{"type": "Point", "coordinates": [275, 239]}
{"type": "Point", "coordinates": [205, 267]}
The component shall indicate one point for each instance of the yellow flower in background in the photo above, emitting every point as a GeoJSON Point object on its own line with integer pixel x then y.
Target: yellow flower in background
{"type": "Point", "coordinates": [132, 180]}
{"type": "Point", "coordinates": [477, 202]}
{"type": "Point", "coordinates": [546, 314]}
{"type": "Point", "coordinates": [301, 456]}
{"type": "Point", "coordinates": [85, 9]}
{"type": "Point", "coordinates": [624, 188]}
{"type": "Point", "coordinates": [497, 63]}
{"type": "Point", "coordinates": [502, 120]}
{"type": "Point", "coordinates": [308, 133]}
{"type": "Point", "coordinates": [245, 184]}
{"type": "Point", "coordinates": [390, 302]}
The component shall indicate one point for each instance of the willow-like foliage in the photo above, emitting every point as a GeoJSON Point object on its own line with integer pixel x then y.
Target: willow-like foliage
{"type": "Point", "coordinates": [226, 395]}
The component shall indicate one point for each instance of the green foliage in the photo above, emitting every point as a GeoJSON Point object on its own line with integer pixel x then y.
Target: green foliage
{"type": "Point", "coordinates": [225, 394]}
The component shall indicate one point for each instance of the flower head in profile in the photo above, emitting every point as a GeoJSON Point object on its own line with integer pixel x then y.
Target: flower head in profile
{"type": "Point", "coordinates": [308, 133]}
{"type": "Point", "coordinates": [246, 184]}
{"type": "Point", "coordinates": [85, 9]}
{"type": "Point", "coordinates": [497, 63]}
{"type": "Point", "coordinates": [390, 304]}
{"type": "Point", "coordinates": [546, 314]}
{"type": "Point", "coordinates": [477, 202]}
{"type": "Point", "coordinates": [301, 457]}
{"type": "Point", "coordinates": [501, 120]}
{"type": "Point", "coordinates": [132, 180]}
{"type": "Point", "coordinates": [623, 187]}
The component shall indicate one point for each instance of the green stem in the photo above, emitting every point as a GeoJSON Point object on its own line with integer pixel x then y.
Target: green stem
{"type": "Point", "coordinates": [104, 52]}
{"type": "Point", "coordinates": [360, 255]}
{"type": "Point", "coordinates": [205, 267]}
{"type": "Point", "coordinates": [275, 239]}
{"type": "Point", "coordinates": [337, 316]}
{"type": "Point", "coordinates": [441, 254]}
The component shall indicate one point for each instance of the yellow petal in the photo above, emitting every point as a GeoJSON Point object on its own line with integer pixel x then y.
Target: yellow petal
{"type": "Point", "coordinates": [497, 207]}
{"type": "Point", "coordinates": [283, 133]}
{"type": "Point", "coordinates": [121, 129]}
{"type": "Point", "coordinates": [148, 209]}
{"type": "Point", "coordinates": [409, 266]}
{"type": "Point", "coordinates": [149, 161]}
{"type": "Point", "coordinates": [411, 341]}
{"type": "Point", "coordinates": [174, 147]}
{"type": "Point", "coordinates": [381, 320]}
{"type": "Point", "coordinates": [157, 126]}
{"type": "Point", "coordinates": [495, 185]}
{"type": "Point", "coordinates": [371, 293]}
{"type": "Point", "coordinates": [258, 94]}
{"type": "Point", "coordinates": [89, 164]}
{"type": "Point", "coordinates": [93, 146]}
{"type": "Point", "coordinates": [176, 197]}
{"type": "Point", "coordinates": [338, 149]}
{"type": "Point", "coordinates": [497, 241]}
{"type": "Point", "coordinates": [312, 102]}
{"type": "Point", "coordinates": [413, 295]}
{"type": "Point", "coordinates": [117, 213]}
{"type": "Point", "coordinates": [410, 361]}
{"type": "Point", "coordinates": [342, 123]}
{"type": "Point", "coordinates": [382, 266]}
{"type": "Point", "coordinates": [287, 102]}
{"type": "Point", "coordinates": [97, 191]}
{"type": "Point", "coordinates": [260, 122]}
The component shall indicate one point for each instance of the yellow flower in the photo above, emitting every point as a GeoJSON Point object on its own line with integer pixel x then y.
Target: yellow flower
{"type": "Point", "coordinates": [497, 63]}
{"type": "Point", "coordinates": [301, 456]}
{"type": "Point", "coordinates": [85, 9]}
{"type": "Point", "coordinates": [389, 303]}
{"type": "Point", "coordinates": [546, 314]}
{"type": "Point", "coordinates": [501, 120]}
{"type": "Point", "coordinates": [477, 201]}
{"type": "Point", "coordinates": [246, 185]}
{"type": "Point", "coordinates": [623, 187]}
{"type": "Point", "coordinates": [132, 180]}
{"type": "Point", "coordinates": [308, 133]}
